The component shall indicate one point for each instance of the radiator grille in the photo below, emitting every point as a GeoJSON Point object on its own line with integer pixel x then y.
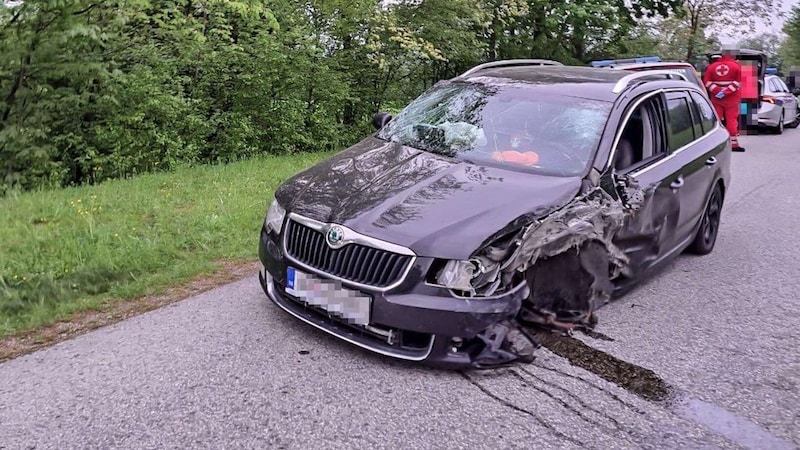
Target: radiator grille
{"type": "Point", "coordinates": [354, 262]}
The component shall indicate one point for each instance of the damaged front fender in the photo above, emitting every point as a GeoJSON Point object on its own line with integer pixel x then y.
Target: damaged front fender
{"type": "Point", "coordinates": [568, 259]}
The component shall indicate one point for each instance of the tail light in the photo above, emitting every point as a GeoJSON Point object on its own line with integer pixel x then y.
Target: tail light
{"type": "Point", "coordinates": [768, 99]}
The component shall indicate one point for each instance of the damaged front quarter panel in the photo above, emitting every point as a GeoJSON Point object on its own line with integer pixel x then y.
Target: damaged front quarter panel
{"type": "Point", "coordinates": [568, 259]}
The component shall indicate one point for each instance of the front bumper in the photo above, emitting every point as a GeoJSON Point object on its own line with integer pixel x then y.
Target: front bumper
{"type": "Point", "coordinates": [413, 321]}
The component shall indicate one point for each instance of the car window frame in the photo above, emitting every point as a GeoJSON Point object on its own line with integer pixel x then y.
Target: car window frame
{"type": "Point", "coordinates": [697, 98]}
{"type": "Point", "coordinates": [697, 123]}
{"type": "Point", "coordinates": [606, 165]}
{"type": "Point", "coordinates": [678, 95]}
{"type": "Point", "coordinates": [658, 119]}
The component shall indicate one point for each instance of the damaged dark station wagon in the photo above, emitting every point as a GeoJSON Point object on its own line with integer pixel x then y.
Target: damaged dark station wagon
{"type": "Point", "coordinates": [521, 193]}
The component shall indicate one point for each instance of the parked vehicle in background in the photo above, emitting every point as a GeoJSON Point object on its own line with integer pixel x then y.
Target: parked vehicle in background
{"type": "Point", "coordinates": [652, 63]}
{"type": "Point", "coordinates": [779, 106]}
{"type": "Point", "coordinates": [754, 69]}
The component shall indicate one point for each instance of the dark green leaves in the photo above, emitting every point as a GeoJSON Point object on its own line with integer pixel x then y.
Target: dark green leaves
{"type": "Point", "coordinates": [95, 90]}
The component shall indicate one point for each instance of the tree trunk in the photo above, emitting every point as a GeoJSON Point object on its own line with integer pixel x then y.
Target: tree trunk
{"type": "Point", "coordinates": [493, 39]}
{"type": "Point", "coordinates": [694, 27]}
{"type": "Point", "coordinates": [12, 96]}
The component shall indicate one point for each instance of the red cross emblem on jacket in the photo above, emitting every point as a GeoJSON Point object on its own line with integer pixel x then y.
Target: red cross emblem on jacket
{"type": "Point", "coordinates": [723, 81]}
{"type": "Point", "coordinates": [724, 75]}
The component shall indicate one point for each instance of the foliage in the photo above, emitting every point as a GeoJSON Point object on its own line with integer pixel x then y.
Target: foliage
{"type": "Point", "coordinates": [769, 43]}
{"type": "Point", "coordinates": [700, 17]}
{"type": "Point", "coordinates": [790, 48]}
{"type": "Point", "coordinates": [96, 90]}
{"type": "Point", "coordinates": [69, 250]}
{"type": "Point", "coordinates": [678, 41]}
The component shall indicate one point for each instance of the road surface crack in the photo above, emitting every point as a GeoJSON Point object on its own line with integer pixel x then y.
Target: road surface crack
{"type": "Point", "coordinates": [522, 410]}
{"type": "Point", "coordinates": [564, 403]}
{"type": "Point", "coordinates": [612, 395]}
{"type": "Point", "coordinates": [573, 396]}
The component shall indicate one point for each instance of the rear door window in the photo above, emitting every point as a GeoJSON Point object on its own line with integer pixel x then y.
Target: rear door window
{"type": "Point", "coordinates": [643, 138]}
{"type": "Point", "coordinates": [773, 86]}
{"type": "Point", "coordinates": [705, 112]}
{"type": "Point", "coordinates": [681, 125]}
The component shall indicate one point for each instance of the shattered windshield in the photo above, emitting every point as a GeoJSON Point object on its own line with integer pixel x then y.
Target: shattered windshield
{"type": "Point", "coordinates": [510, 125]}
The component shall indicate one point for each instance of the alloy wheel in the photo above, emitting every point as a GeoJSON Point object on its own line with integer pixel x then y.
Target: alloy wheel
{"type": "Point", "coordinates": [712, 217]}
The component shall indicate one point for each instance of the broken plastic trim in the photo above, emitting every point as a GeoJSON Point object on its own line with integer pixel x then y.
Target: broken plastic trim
{"type": "Point", "coordinates": [593, 216]}
{"type": "Point", "coordinates": [568, 258]}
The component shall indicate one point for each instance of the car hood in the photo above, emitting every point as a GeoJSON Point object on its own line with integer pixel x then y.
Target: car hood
{"type": "Point", "coordinates": [434, 205]}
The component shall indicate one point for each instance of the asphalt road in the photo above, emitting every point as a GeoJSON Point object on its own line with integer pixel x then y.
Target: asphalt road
{"type": "Point", "coordinates": [227, 369]}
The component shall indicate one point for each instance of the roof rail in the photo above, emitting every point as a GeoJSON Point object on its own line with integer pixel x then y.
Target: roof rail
{"type": "Point", "coordinates": [627, 79]}
{"type": "Point", "coordinates": [510, 63]}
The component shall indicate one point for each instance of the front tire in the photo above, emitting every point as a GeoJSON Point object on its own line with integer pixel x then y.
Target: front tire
{"type": "Point", "coordinates": [706, 236]}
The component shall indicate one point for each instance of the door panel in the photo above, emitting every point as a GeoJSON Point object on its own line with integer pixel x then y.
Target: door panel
{"type": "Point", "coordinates": [699, 160]}
{"type": "Point", "coordinates": [687, 159]}
{"type": "Point", "coordinates": [649, 233]}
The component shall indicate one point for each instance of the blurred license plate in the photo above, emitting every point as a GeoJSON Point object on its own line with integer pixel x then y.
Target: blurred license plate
{"type": "Point", "coordinates": [352, 306]}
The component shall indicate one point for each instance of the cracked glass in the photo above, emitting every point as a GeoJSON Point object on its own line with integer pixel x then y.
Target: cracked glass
{"type": "Point", "coordinates": [510, 125]}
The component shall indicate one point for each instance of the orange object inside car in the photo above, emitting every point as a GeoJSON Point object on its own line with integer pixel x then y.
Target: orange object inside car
{"type": "Point", "coordinates": [513, 156]}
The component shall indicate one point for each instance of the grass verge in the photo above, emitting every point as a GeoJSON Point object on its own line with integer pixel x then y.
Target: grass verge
{"type": "Point", "coordinates": [68, 252]}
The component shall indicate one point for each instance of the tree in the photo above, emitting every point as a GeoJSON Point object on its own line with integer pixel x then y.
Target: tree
{"type": "Point", "coordinates": [97, 90]}
{"type": "Point", "coordinates": [47, 87]}
{"type": "Point", "coordinates": [770, 44]}
{"type": "Point", "coordinates": [701, 16]}
{"type": "Point", "coordinates": [676, 41]}
{"type": "Point", "coordinates": [571, 32]}
{"type": "Point", "coordinates": [790, 49]}
{"type": "Point", "coordinates": [641, 40]}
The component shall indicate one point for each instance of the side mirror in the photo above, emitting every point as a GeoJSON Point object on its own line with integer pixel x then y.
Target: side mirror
{"type": "Point", "coordinates": [796, 91]}
{"type": "Point", "coordinates": [381, 119]}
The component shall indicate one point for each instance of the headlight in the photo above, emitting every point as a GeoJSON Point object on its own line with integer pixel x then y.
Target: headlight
{"type": "Point", "coordinates": [275, 215]}
{"type": "Point", "coordinates": [457, 275]}
{"type": "Point", "coordinates": [473, 277]}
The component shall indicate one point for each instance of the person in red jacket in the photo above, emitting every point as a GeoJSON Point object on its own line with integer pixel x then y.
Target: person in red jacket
{"type": "Point", "coordinates": [723, 80]}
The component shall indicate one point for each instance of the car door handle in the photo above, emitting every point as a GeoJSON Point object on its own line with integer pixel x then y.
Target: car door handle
{"type": "Point", "coordinates": [677, 184]}
{"type": "Point", "coordinates": [711, 161]}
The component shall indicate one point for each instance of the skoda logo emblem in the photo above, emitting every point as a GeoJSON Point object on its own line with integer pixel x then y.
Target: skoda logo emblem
{"type": "Point", "coordinates": [335, 236]}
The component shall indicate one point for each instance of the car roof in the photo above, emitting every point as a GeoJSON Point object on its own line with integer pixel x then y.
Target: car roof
{"type": "Point", "coordinates": [576, 81]}
{"type": "Point", "coordinates": [742, 51]}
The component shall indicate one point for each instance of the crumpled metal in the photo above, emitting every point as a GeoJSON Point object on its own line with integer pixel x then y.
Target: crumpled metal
{"type": "Point", "coordinates": [584, 230]}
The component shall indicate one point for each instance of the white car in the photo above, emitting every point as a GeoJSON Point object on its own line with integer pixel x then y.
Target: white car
{"type": "Point", "coordinates": [778, 106]}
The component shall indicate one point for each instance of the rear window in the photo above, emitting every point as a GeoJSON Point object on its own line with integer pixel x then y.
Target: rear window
{"type": "Point", "coordinates": [515, 126]}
